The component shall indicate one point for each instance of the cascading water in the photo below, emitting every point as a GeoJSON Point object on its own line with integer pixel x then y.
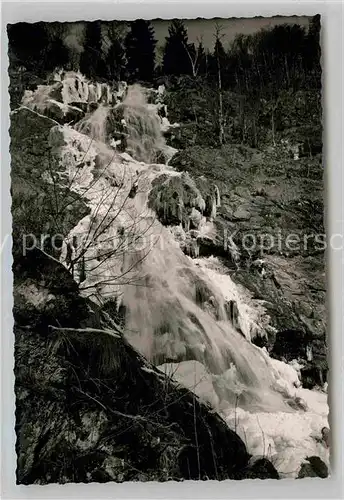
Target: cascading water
{"type": "Point", "coordinates": [175, 309]}
{"type": "Point", "coordinates": [143, 126]}
{"type": "Point", "coordinates": [94, 124]}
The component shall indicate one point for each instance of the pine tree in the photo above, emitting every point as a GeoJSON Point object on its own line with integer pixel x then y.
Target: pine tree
{"type": "Point", "coordinates": [116, 59]}
{"type": "Point", "coordinates": [201, 59]}
{"type": "Point", "coordinates": [91, 61]}
{"type": "Point", "coordinates": [27, 43]}
{"type": "Point", "coordinates": [312, 51]}
{"type": "Point", "coordinates": [220, 57]}
{"type": "Point", "coordinates": [140, 50]}
{"type": "Point", "coordinates": [176, 59]}
{"type": "Point", "coordinates": [56, 53]}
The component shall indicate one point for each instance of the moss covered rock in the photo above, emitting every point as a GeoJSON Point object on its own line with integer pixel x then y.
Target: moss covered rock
{"type": "Point", "coordinates": [175, 199]}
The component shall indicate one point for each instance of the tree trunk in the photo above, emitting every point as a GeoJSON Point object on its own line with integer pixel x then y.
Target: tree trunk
{"type": "Point", "coordinates": [273, 126]}
{"type": "Point", "coordinates": [221, 128]}
{"type": "Point", "coordinates": [287, 70]}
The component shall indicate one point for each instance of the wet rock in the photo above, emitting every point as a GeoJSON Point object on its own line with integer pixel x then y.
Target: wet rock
{"type": "Point", "coordinates": [47, 100]}
{"type": "Point", "coordinates": [297, 403]}
{"type": "Point", "coordinates": [325, 433]}
{"type": "Point", "coordinates": [174, 198]}
{"type": "Point", "coordinates": [233, 313]}
{"type": "Point", "coordinates": [313, 467]}
{"type": "Point", "coordinates": [209, 246]}
{"type": "Point", "coordinates": [314, 374]}
{"type": "Point", "coordinates": [195, 218]}
{"type": "Point", "coordinates": [260, 468]}
{"type": "Point", "coordinates": [264, 338]}
{"type": "Point", "coordinates": [291, 344]}
{"type": "Point", "coordinates": [241, 214]}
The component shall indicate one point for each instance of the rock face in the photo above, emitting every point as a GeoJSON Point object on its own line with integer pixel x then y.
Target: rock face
{"type": "Point", "coordinates": [273, 212]}
{"type": "Point", "coordinates": [42, 203]}
{"type": "Point", "coordinates": [90, 408]}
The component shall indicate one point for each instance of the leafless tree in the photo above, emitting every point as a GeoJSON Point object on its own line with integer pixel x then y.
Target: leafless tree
{"type": "Point", "coordinates": [114, 229]}
{"type": "Point", "coordinates": [218, 36]}
{"type": "Point", "coordinates": [194, 57]}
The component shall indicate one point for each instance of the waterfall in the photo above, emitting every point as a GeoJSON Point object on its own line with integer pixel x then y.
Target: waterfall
{"type": "Point", "coordinates": [177, 308]}
{"type": "Point", "coordinates": [95, 124]}
{"type": "Point", "coordinates": [174, 311]}
{"type": "Point", "coordinates": [181, 313]}
{"type": "Point", "coordinates": [185, 314]}
{"type": "Point", "coordinates": [143, 126]}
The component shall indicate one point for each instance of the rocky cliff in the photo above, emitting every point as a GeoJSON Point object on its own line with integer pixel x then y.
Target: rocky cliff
{"type": "Point", "coordinates": [268, 228]}
{"type": "Point", "coordinates": [90, 408]}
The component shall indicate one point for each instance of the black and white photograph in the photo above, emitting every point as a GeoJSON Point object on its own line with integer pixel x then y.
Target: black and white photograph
{"type": "Point", "coordinates": [168, 242]}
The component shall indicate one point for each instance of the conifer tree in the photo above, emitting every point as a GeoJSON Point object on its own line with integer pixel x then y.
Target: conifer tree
{"type": "Point", "coordinates": [312, 50]}
{"type": "Point", "coordinates": [27, 43]}
{"type": "Point", "coordinates": [116, 58]}
{"type": "Point", "coordinates": [91, 61]}
{"type": "Point", "coordinates": [176, 59]}
{"type": "Point", "coordinates": [201, 59]}
{"type": "Point", "coordinates": [56, 52]}
{"type": "Point", "coordinates": [140, 50]}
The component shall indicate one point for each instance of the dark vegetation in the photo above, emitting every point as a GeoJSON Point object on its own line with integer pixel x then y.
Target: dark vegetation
{"type": "Point", "coordinates": [262, 88]}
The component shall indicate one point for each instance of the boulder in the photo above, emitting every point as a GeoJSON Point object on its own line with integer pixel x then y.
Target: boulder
{"type": "Point", "coordinates": [313, 467]}
{"type": "Point", "coordinates": [260, 468]}
{"type": "Point", "coordinates": [241, 214]}
{"type": "Point", "coordinates": [61, 113]}
{"type": "Point", "coordinates": [175, 198]}
{"type": "Point", "coordinates": [43, 291]}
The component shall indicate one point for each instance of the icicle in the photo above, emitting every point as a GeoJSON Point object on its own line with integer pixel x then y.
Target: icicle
{"type": "Point", "coordinates": [213, 209]}
{"type": "Point", "coordinates": [309, 352]}
{"type": "Point", "coordinates": [217, 195]}
{"type": "Point", "coordinates": [98, 91]}
{"type": "Point", "coordinates": [92, 93]}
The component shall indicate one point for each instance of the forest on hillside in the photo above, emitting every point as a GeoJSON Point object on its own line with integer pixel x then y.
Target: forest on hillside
{"type": "Point", "coordinates": [256, 90]}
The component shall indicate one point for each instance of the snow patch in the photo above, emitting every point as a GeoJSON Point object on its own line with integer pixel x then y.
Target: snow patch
{"type": "Point", "coordinates": [284, 438]}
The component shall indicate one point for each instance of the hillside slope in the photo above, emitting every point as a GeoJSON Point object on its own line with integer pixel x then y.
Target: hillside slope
{"type": "Point", "coordinates": [90, 408]}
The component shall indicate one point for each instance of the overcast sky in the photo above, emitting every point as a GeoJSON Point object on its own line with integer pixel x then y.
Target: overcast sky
{"type": "Point", "coordinates": [205, 28]}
